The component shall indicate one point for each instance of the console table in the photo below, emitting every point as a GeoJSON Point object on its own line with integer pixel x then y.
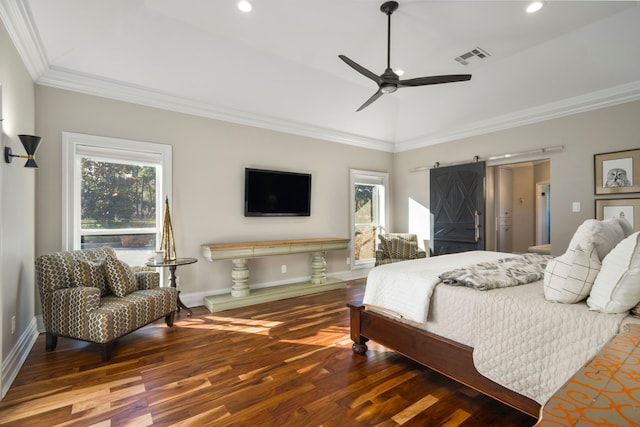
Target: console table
{"type": "Point", "coordinates": [240, 253]}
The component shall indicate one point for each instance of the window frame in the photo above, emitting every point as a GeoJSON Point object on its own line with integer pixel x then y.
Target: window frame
{"type": "Point", "coordinates": [109, 149]}
{"type": "Point", "coordinates": [358, 176]}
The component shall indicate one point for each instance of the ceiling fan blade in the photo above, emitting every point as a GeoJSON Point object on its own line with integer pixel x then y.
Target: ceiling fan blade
{"type": "Point", "coordinates": [368, 102]}
{"type": "Point", "coordinates": [434, 80]}
{"type": "Point", "coordinates": [359, 68]}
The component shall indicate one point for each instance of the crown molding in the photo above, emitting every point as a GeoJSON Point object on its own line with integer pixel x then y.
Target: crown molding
{"type": "Point", "coordinates": [92, 85]}
{"type": "Point", "coordinates": [105, 88]}
{"type": "Point", "coordinates": [579, 104]}
{"type": "Point", "coordinates": [16, 17]}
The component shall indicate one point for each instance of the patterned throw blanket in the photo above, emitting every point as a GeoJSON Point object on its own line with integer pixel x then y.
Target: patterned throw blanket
{"type": "Point", "coordinates": [504, 272]}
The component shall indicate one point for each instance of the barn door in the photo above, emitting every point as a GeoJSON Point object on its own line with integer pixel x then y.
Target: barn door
{"type": "Point", "coordinates": [457, 204]}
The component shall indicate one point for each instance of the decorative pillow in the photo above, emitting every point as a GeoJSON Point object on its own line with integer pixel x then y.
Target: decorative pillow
{"type": "Point", "coordinates": [626, 226]}
{"type": "Point", "coordinates": [568, 279]}
{"type": "Point", "coordinates": [385, 245]}
{"type": "Point", "coordinates": [89, 274]}
{"type": "Point", "coordinates": [617, 287]}
{"type": "Point", "coordinates": [403, 248]}
{"type": "Point", "coordinates": [120, 277]}
{"type": "Point", "coordinates": [398, 246]}
{"type": "Point", "coordinates": [603, 235]}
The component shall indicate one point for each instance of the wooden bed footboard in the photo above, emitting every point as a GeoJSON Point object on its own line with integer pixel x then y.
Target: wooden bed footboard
{"type": "Point", "coordinates": [445, 356]}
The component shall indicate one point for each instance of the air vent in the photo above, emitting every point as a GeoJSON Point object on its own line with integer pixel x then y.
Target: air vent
{"type": "Point", "coordinates": [477, 53]}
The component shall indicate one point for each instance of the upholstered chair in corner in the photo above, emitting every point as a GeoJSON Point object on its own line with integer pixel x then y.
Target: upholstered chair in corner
{"type": "Point", "coordinates": [395, 247]}
{"type": "Point", "coordinates": [92, 296]}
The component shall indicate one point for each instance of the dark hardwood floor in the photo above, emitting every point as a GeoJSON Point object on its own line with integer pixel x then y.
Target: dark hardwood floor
{"type": "Point", "coordinates": [284, 363]}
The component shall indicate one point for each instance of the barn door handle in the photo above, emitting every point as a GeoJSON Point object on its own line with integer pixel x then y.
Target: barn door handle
{"type": "Point", "coordinates": [476, 216]}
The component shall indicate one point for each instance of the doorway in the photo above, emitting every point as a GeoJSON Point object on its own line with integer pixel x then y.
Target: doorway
{"type": "Point", "coordinates": [543, 213]}
{"type": "Point", "coordinates": [518, 216]}
{"type": "Point", "coordinates": [369, 213]}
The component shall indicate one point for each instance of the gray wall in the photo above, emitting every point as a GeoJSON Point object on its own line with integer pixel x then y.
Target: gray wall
{"type": "Point", "coordinates": [583, 135]}
{"type": "Point", "coordinates": [209, 158]}
{"type": "Point", "coordinates": [17, 210]}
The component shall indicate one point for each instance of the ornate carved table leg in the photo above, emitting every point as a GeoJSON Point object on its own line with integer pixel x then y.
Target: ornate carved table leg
{"type": "Point", "coordinates": [318, 268]}
{"type": "Point", "coordinates": [240, 277]}
{"type": "Point", "coordinates": [174, 284]}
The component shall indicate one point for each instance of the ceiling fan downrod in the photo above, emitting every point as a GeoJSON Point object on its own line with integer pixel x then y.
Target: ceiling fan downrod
{"type": "Point", "coordinates": [388, 8]}
{"type": "Point", "coordinates": [389, 77]}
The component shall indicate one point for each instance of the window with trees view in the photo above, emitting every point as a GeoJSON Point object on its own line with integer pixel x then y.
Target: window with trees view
{"type": "Point", "coordinates": [369, 213]}
{"type": "Point", "coordinates": [115, 193]}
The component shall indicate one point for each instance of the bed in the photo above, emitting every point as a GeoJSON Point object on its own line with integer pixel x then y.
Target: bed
{"type": "Point", "coordinates": [510, 343]}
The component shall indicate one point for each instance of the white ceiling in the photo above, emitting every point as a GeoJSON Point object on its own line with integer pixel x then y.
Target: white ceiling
{"type": "Point", "coordinates": [278, 67]}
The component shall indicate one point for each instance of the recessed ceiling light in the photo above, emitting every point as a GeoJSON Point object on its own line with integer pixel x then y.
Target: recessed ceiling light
{"type": "Point", "coordinates": [534, 6]}
{"type": "Point", "coordinates": [399, 72]}
{"type": "Point", "coordinates": [245, 6]}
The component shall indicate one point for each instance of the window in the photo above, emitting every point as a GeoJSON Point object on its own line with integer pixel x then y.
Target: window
{"type": "Point", "coordinates": [369, 207]}
{"type": "Point", "coordinates": [113, 194]}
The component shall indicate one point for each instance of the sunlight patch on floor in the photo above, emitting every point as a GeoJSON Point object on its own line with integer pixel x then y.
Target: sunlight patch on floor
{"type": "Point", "coordinates": [413, 410]}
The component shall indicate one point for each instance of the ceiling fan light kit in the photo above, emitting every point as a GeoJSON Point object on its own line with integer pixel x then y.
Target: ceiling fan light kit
{"type": "Point", "coordinates": [389, 81]}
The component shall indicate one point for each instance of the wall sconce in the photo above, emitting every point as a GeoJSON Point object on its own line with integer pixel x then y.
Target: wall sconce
{"type": "Point", "coordinates": [30, 144]}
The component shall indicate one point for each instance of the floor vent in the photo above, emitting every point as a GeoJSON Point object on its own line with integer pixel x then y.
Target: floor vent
{"type": "Point", "coordinates": [477, 52]}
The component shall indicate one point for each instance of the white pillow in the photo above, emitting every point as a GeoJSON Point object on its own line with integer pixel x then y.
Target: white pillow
{"type": "Point", "coordinates": [626, 226]}
{"type": "Point", "coordinates": [617, 287]}
{"type": "Point", "coordinates": [568, 278]}
{"type": "Point", "coordinates": [635, 311]}
{"type": "Point", "coordinates": [603, 235]}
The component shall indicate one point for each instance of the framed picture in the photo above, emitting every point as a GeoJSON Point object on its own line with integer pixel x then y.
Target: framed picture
{"type": "Point", "coordinates": [620, 208]}
{"type": "Point", "coordinates": [617, 172]}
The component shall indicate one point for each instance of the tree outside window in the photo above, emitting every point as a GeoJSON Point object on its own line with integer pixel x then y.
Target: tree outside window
{"type": "Point", "coordinates": [118, 205]}
{"type": "Point", "coordinates": [366, 221]}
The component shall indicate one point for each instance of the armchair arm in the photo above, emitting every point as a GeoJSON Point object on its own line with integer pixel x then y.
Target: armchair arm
{"type": "Point", "coordinates": [421, 253]}
{"type": "Point", "coordinates": [65, 311]}
{"type": "Point", "coordinates": [147, 279]}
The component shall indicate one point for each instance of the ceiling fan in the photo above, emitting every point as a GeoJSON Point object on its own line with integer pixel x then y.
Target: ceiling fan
{"type": "Point", "coordinates": [389, 81]}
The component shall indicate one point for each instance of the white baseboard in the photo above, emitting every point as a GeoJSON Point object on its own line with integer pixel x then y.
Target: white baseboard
{"type": "Point", "coordinates": [13, 362]}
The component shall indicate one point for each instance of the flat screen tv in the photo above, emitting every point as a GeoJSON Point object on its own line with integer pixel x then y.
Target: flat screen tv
{"type": "Point", "coordinates": [276, 193]}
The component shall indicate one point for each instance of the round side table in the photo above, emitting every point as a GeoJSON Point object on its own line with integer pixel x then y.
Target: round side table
{"type": "Point", "coordinates": [173, 265]}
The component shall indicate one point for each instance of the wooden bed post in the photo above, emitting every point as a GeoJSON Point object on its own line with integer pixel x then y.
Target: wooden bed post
{"type": "Point", "coordinates": [359, 342]}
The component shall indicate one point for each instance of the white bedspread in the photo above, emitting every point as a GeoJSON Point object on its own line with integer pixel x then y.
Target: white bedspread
{"type": "Point", "coordinates": [520, 340]}
{"type": "Point", "coordinates": [405, 288]}
{"type": "Point", "coordinates": [533, 346]}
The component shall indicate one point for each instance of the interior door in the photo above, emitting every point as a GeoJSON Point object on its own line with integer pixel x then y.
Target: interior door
{"type": "Point", "coordinates": [457, 205]}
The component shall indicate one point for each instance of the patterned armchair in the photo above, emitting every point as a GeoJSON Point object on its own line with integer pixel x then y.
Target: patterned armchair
{"type": "Point", "coordinates": [92, 296]}
{"type": "Point", "coordinates": [394, 247]}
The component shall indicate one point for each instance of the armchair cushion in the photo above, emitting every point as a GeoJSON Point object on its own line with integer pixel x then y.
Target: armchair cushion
{"type": "Point", "coordinates": [56, 269]}
{"type": "Point", "coordinates": [89, 273]}
{"type": "Point", "coordinates": [119, 277]}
